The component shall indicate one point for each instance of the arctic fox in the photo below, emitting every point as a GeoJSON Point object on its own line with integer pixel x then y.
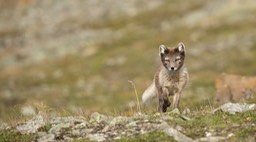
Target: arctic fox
{"type": "Point", "coordinates": [170, 80]}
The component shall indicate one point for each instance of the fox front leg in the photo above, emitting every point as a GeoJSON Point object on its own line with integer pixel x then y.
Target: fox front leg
{"type": "Point", "coordinates": [166, 99]}
{"type": "Point", "coordinates": [177, 91]}
{"type": "Point", "coordinates": [163, 100]}
{"type": "Point", "coordinates": [160, 100]}
{"type": "Point", "coordinates": [176, 100]}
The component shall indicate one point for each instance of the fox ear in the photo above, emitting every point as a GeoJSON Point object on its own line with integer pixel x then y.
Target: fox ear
{"type": "Point", "coordinates": [181, 47]}
{"type": "Point", "coordinates": [162, 50]}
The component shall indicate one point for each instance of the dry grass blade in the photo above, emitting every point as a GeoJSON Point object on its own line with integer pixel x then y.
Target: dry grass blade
{"type": "Point", "coordinates": [135, 91]}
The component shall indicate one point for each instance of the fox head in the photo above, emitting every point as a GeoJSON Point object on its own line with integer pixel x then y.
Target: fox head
{"type": "Point", "coordinates": [173, 58]}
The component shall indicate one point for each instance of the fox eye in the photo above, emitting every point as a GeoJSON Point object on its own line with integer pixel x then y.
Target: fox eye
{"type": "Point", "coordinates": [177, 59]}
{"type": "Point", "coordinates": [167, 60]}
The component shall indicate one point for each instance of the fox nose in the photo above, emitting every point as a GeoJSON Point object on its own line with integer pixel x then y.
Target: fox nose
{"type": "Point", "coordinates": [172, 68]}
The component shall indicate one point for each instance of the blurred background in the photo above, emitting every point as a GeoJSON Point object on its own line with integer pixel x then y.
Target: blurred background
{"type": "Point", "coordinates": [77, 56]}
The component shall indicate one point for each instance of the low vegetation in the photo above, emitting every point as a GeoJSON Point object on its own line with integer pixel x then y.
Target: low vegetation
{"type": "Point", "coordinates": [195, 124]}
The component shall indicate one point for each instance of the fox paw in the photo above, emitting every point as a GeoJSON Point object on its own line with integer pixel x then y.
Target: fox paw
{"type": "Point", "coordinates": [165, 106]}
{"type": "Point", "coordinates": [167, 103]}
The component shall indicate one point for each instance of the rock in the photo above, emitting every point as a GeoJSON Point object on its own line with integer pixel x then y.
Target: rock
{"type": "Point", "coordinates": [230, 135]}
{"type": "Point", "coordinates": [28, 111]}
{"type": "Point", "coordinates": [32, 125]}
{"type": "Point", "coordinates": [167, 117]}
{"type": "Point", "coordinates": [185, 117]}
{"type": "Point", "coordinates": [132, 124]}
{"type": "Point", "coordinates": [105, 129]}
{"type": "Point", "coordinates": [59, 129]}
{"type": "Point", "coordinates": [76, 132]}
{"type": "Point", "coordinates": [156, 114]}
{"type": "Point", "coordinates": [46, 138]}
{"type": "Point", "coordinates": [97, 118]}
{"type": "Point", "coordinates": [235, 125]}
{"type": "Point", "coordinates": [186, 111]}
{"type": "Point", "coordinates": [233, 108]}
{"type": "Point", "coordinates": [82, 125]}
{"type": "Point", "coordinates": [179, 128]}
{"type": "Point", "coordinates": [96, 137]}
{"type": "Point", "coordinates": [119, 120]}
{"type": "Point", "coordinates": [71, 120]}
{"type": "Point", "coordinates": [175, 111]}
{"type": "Point", "coordinates": [211, 139]}
{"type": "Point", "coordinates": [208, 134]}
{"type": "Point", "coordinates": [66, 138]}
{"type": "Point", "coordinates": [178, 136]}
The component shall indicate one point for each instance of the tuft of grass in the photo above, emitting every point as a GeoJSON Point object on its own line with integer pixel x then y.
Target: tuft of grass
{"type": "Point", "coordinates": [45, 128]}
{"type": "Point", "coordinates": [137, 98]}
{"type": "Point", "coordinates": [14, 136]}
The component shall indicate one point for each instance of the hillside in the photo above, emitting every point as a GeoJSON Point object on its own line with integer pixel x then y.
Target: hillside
{"type": "Point", "coordinates": [76, 58]}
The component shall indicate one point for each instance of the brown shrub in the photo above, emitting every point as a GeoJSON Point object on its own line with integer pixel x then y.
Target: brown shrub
{"type": "Point", "coordinates": [234, 88]}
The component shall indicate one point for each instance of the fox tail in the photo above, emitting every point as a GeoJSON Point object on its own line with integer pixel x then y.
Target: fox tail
{"type": "Point", "coordinates": [149, 97]}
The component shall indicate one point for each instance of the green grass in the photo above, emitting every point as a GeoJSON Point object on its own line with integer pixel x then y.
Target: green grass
{"type": "Point", "coordinates": [220, 124]}
{"type": "Point", "coordinates": [11, 136]}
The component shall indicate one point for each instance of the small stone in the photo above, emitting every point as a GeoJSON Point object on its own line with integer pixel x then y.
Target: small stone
{"type": "Point", "coordinates": [119, 120]}
{"type": "Point", "coordinates": [81, 125]}
{"type": "Point", "coordinates": [32, 125]}
{"type": "Point", "coordinates": [123, 133]}
{"type": "Point", "coordinates": [132, 124]}
{"type": "Point", "coordinates": [235, 125]}
{"type": "Point", "coordinates": [175, 111]}
{"type": "Point", "coordinates": [157, 114]}
{"type": "Point", "coordinates": [28, 111]}
{"type": "Point", "coordinates": [212, 139]}
{"type": "Point", "coordinates": [179, 128]}
{"type": "Point", "coordinates": [66, 138]}
{"type": "Point", "coordinates": [140, 115]}
{"type": "Point", "coordinates": [88, 130]}
{"type": "Point", "coordinates": [76, 132]}
{"type": "Point", "coordinates": [117, 138]}
{"type": "Point", "coordinates": [40, 134]}
{"type": "Point", "coordinates": [185, 117]}
{"type": "Point", "coordinates": [233, 108]}
{"type": "Point", "coordinates": [96, 117]}
{"type": "Point", "coordinates": [96, 137]}
{"type": "Point", "coordinates": [46, 138]}
{"type": "Point", "coordinates": [167, 117]}
{"type": "Point", "coordinates": [230, 135]}
{"type": "Point", "coordinates": [186, 111]}
{"type": "Point", "coordinates": [57, 129]}
{"type": "Point", "coordinates": [178, 136]}
{"type": "Point", "coordinates": [105, 129]}
{"type": "Point", "coordinates": [208, 134]}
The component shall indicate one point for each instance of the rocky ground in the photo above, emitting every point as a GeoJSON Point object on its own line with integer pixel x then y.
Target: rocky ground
{"type": "Point", "coordinates": [171, 126]}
